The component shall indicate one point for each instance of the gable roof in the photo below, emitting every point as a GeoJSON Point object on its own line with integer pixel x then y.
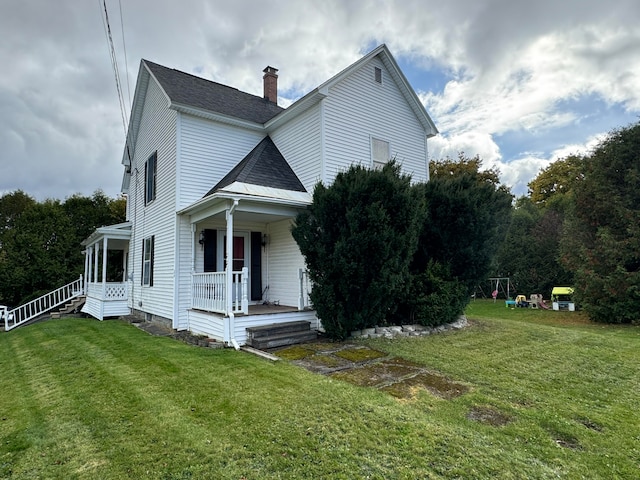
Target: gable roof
{"type": "Point", "coordinates": [205, 98]}
{"type": "Point", "coordinates": [189, 90]}
{"type": "Point", "coordinates": [383, 53]}
{"type": "Point", "coordinates": [264, 166]}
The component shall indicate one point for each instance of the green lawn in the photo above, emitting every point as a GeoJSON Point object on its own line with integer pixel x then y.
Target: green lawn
{"type": "Point", "coordinates": [550, 396]}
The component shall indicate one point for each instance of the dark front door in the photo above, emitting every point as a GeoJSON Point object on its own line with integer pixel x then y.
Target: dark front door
{"type": "Point", "coordinates": [210, 254]}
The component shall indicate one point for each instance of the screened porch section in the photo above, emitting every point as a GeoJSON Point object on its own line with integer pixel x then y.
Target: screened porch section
{"type": "Point", "coordinates": [105, 272]}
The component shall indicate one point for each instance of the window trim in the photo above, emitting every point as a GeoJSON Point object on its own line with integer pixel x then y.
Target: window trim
{"type": "Point", "coordinates": [376, 164]}
{"type": "Point", "coordinates": [150, 178]}
{"type": "Point", "coordinates": [377, 75]}
{"type": "Point", "coordinates": [148, 248]}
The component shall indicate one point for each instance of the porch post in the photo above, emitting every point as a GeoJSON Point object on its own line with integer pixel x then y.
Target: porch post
{"type": "Point", "coordinates": [95, 263]}
{"type": "Point", "coordinates": [245, 299]}
{"type": "Point", "coordinates": [86, 270]}
{"type": "Point", "coordinates": [90, 262]}
{"type": "Point", "coordinates": [104, 267]}
{"type": "Point", "coordinates": [125, 254]}
{"type": "Point", "coordinates": [193, 247]}
{"type": "Point", "coordinates": [229, 269]}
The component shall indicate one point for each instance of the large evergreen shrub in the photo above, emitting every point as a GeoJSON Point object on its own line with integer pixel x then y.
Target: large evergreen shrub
{"type": "Point", "coordinates": [467, 213]}
{"type": "Point", "coordinates": [358, 237]}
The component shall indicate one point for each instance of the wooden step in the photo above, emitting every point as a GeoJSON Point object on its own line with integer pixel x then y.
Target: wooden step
{"type": "Point", "coordinates": [277, 329]}
{"type": "Point", "coordinates": [283, 339]}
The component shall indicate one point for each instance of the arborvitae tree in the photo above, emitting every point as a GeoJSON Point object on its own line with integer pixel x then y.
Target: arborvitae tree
{"type": "Point", "coordinates": [601, 243]}
{"type": "Point", "coordinates": [467, 213]}
{"type": "Point", "coordinates": [358, 237]}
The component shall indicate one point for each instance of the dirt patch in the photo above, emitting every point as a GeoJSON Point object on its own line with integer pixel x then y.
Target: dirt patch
{"type": "Point", "coordinates": [568, 442]}
{"type": "Point", "coordinates": [590, 425]}
{"type": "Point", "coordinates": [489, 416]}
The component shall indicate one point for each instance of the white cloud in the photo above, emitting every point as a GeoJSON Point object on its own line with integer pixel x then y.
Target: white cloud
{"type": "Point", "coordinates": [513, 68]}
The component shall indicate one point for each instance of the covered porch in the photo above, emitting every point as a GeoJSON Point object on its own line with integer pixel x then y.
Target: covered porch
{"type": "Point", "coordinates": [246, 269]}
{"type": "Point", "coordinates": [105, 271]}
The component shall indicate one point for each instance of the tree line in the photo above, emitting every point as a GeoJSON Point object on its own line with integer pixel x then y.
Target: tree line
{"type": "Point", "coordinates": [580, 226]}
{"type": "Point", "coordinates": [40, 242]}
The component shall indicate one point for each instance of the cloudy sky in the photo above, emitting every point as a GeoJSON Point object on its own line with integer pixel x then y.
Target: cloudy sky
{"type": "Point", "coordinates": [519, 83]}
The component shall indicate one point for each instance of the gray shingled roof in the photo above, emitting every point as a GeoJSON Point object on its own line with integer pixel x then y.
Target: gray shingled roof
{"type": "Point", "coordinates": [264, 166]}
{"type": "Point", "coordinates": [193, 91]}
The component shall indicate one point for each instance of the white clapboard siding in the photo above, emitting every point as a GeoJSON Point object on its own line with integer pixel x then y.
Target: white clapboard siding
{"type": "Point", "coordinates": [208, 151]}
{"type": "Point", "coordinates": [284, 261]}
{"type": "Point", "coordinates": [202, 323]}
{"type": "Point", "coordinates": [157, 133]}
{"type": "Point", "coordinates": [183, 272]}
{"type": "Point", "coordinates": [359, 108]}
{"type": "Point", "coordinates": [300, 143]}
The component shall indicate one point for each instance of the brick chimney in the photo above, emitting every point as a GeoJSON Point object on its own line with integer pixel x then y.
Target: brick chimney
{"type": "Point", "coordinates": [271, 84]}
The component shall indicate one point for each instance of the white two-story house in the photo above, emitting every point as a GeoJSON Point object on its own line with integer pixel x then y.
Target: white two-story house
{"type": "Point", "coordinates": [214, 179]}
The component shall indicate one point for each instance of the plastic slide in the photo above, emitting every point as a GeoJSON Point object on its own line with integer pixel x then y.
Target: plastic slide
{"type": "Point", "coordinates": [543, 305]}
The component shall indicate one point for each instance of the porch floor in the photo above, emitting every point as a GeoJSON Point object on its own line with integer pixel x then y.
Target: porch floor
{"type": "Point", "coordinates": [263, 309]}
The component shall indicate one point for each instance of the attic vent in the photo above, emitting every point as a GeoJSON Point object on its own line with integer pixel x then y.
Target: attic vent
{"type": "Point", "coordinates": [378, 74]}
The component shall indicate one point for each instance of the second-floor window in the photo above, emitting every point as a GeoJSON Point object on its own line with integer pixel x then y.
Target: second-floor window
{"type": "Point", "coordinates": [380, 153]}
{"type": "Point", "coordinates": [150, 169]}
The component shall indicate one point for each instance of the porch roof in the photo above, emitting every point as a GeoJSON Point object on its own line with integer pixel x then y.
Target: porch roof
{"type": "Point", "coordinates": [253, 199]}
{"type": "Point", "coordinates": [120, 232]}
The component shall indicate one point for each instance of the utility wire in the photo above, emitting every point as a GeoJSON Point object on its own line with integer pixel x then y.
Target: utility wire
{"type": "Point", "coordinates": [124, 48]}
{"type": "Point", "coordinates": [114, 65]}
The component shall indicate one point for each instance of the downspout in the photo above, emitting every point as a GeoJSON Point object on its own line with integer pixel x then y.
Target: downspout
{"type": "Point", "coordinates": [229, 286]}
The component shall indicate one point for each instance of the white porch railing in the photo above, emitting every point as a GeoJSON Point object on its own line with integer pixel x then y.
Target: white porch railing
{"type": "Point", "coordinates": [304, 300]}
{"type": "Point", "coordinates": [107, 291]}
{"type": "Point", "coordinates": [45, 303]}
{"type": "Point", "coordinates": [209, 291]}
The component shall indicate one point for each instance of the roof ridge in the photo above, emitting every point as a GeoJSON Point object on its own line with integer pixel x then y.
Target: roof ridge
{"type": "Point", "coordinates": [190, 90]}
{"type": "Point", "coordinates": [198, 77]}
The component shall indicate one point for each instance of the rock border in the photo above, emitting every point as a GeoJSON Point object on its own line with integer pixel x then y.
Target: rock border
{"type": "Point", "coordinates": [409, 330]}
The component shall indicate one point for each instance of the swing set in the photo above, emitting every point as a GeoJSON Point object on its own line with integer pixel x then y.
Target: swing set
{"type": "Point", "coordinates": [497, 286]}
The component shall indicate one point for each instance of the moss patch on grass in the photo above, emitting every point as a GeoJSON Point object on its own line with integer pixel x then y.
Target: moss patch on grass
{"type": "Point", "coordinates": [295, 352]}
{"type": "Point", "coordinates": [376, 374]}
{"type": "Point", "coordinates": [434, 383]}
{"type": "Point", "coordinates": [358, 354]}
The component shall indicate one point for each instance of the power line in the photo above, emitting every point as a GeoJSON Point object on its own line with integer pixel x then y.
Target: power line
{"type": "Point", "coordinates": [114, 65]}
{"type": "Point", "coordinates": [124, 48]}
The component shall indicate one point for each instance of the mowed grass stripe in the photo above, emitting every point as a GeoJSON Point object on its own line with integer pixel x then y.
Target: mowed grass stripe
{"type": "Point", "coordinates": [123, 404]}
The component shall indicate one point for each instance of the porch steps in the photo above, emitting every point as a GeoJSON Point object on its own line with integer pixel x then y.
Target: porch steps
{"type": "Point", "coordinates": [280, 334]}
{"type": "Point", "coordinates": [71, 306]}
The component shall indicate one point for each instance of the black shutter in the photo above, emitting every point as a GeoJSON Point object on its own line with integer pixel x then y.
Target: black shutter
{"type": "Point", "coordinates": [142, 269]}
{"type": "Point", "coordinates": [153, 251]}
{"type": "Point", "coordinates": [210, 250]}
{"type": "Point", "coordinates": [256, 266]}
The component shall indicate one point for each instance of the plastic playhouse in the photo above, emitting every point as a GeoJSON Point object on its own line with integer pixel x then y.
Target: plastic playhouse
{"type": "Point", "coordinates": [562, 299]}
{"type": "Point", "coordinates": [535, 301]}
